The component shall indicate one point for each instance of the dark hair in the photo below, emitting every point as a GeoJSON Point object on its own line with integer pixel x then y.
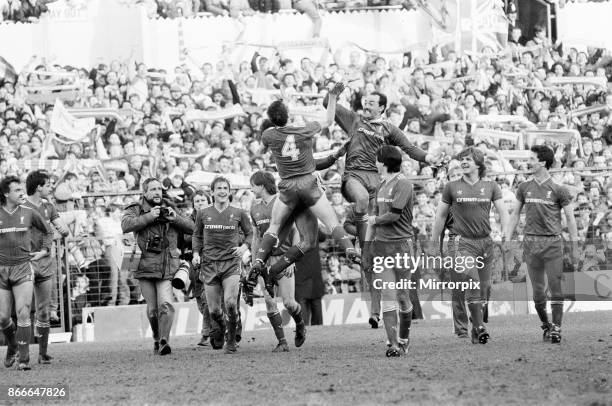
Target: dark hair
{"type": "Point", "coordinates": [265, 124]}
{"type": "Point", "coordinates": [70, 175]}
{"type": "Point", "coordinates": [219, 179]}
{"type": "Point", "coordinates": [34, 180]}
{"type": "Point", "coordinates": [544, 154]}
{"type": "Point", "coordinates": [265, 179]}
{"type": "Point", "coordinates": [382, 99]}
{"type": "Point", "coordinates": [390, 157]}
{"type": "Point", "coordinates": [5, 187]}
{"type": "Point", "coordinates": [199, 193]}
{"type": "Point", "coordinates": [478, 157]}
{"type": "Point", "coordinates": [145, 184]}
{"type": "Point", "coordinates": [278, 113]}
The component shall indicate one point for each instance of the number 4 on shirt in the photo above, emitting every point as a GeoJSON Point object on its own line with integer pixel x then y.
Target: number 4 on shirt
{"type": "Point", "coordinates": [289, 148]}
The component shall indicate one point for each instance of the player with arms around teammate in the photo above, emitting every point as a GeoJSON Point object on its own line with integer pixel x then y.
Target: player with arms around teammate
{"type": "Point", "coordinates": [156, 226]}
{"type": "Point", "coordinates": [217, 249]}
{"type": "Point", "coordinates": [368, 132]}
{"type": "Point", "coordinates": [543, 201]}
{"type": "Point", "coordinates": [16, 271]}
{"type": "Point", "coordinates": [299, 188]}
{"type": "Point", "coordinates": [393, 234]}
{"type": "Point", "coordinates": [38, 188]}
{"type": "Point", "coordinates": [470, 199]}
{"type": "Point", "coordinates": [263, 186]}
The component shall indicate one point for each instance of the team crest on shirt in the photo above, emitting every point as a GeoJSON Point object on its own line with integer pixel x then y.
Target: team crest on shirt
{"type": "Point", "coordinates": [208, 218]}
{"type": "Point", "coordinates": [548, 194]}
{"type": "Point", "coordinates": [22, 218]}
{"type": "Point", "coordinates": [46, 213]}
{"type": "Point", "coordinates": [390, 192]}
{"type": "Point", "coordinates": [459, 192]}
{"type": "Point", "coordinates": [528, 193]}
{"type": "Point", "coordinates": [482, 191]}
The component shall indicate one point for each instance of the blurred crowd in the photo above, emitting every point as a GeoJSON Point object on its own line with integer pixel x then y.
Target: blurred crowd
{"type": "Point", "coordinates": [22, 10]}
{"type": "Point", "coordinates": [441, 100]}
{"type": "Point", "coordinates": [31, 10]}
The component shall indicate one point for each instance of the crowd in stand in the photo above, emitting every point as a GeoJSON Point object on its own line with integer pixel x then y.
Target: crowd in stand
{"type": "Point", "coordinates": [440, 101]}
{"type": "Point", "coordinates": [31, 10]}
{"type": "Point", "coordinates": [22, 10]}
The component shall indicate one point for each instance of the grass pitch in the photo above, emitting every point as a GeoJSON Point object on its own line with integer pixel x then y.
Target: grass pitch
{"type": "Point", "coordinates": [345, 365]}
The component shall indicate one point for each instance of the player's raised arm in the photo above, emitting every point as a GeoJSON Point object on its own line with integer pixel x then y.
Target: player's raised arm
{"type": "Point", "coordinates": [343, 116]}
{"type": "Point", "coordinates": [331, 105]}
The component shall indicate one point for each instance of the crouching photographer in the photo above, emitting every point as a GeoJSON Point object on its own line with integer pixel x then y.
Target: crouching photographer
{"type": "Point", "coordinates": [156, 226]}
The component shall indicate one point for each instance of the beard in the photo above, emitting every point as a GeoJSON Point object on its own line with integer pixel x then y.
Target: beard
{"type": "Point", "coordinates": [156, 201]}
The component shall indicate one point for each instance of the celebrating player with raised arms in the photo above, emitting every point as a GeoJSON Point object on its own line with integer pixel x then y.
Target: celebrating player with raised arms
{"type": "Point", "coordinates": [470, 199]}
{"type": "Point", "coordinates": [543, 201]}
{"type": "Point", "coordinates": [368, 132]}
{"type": "Point", "coordinates": [300, 188]}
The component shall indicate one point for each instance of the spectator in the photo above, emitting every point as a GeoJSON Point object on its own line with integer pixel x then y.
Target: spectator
{"type": "Point", "coordinates": [309, 286]}
{"type": "Point", "coordinates": [32, 9]}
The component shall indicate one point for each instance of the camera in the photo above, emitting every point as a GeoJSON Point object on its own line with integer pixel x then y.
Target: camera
{"type": "Point", "coordinates": [181, 279]}
{"type": "Point", "coordinates": [164, 212]}
{"type": "Point", "coordinates": [154, 244]}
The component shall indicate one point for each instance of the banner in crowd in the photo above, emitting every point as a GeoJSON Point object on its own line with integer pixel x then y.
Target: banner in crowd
{"type": "Point", "coordinates": [515, 154]}
{"type": "Point", "coordinates": [309, 113]}
{"type": "Point", "coordinates": [470, 25]}
{"type": "Point", "coordinates": [558, 136]}
{"type": "Point", "coordinates": [201, 178]}
{"type": "Point", "coordinates": [214, 115]}
{"type": "Point", "coordinates": [494, 136]}
{"type": "Point", "coordinates": [316, 49]}
{"type": "Point", "coordinates": [69, 127]}
{"type": "Point", "coordinates": [50, 98]}
{"type": "Point", "coordinates": [7, 71]}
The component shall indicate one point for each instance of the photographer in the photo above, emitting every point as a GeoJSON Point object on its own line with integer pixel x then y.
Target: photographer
{"type": "Point", "coordinates": [157, 227]}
